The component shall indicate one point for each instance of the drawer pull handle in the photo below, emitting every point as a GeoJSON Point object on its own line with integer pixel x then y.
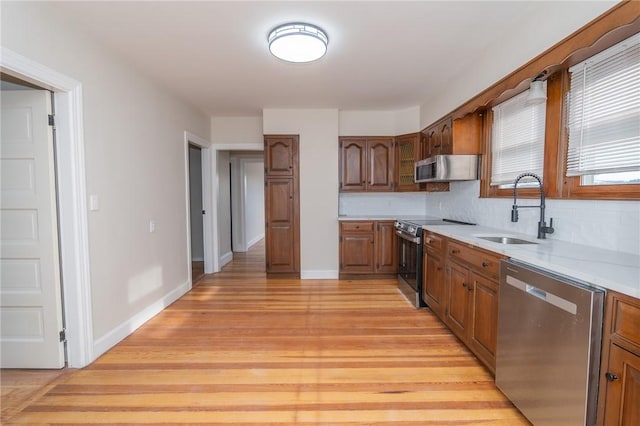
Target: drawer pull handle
{"type": "Point", "coordinates": [485, 264]}
{"type": "Point", "coordinates": [455, 251]}
{"type": "Point", "coordinates": [611, 377]}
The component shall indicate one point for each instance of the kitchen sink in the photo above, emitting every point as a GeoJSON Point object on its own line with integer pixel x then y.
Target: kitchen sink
{"type": "Point", "coordinates": [506, 240]}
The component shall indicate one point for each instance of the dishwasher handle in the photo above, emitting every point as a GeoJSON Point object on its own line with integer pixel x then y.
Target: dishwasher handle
{"type": "Point", "coordinates": [535, 291]}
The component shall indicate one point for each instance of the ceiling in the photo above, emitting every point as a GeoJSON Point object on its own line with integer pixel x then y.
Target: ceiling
{"type": "Point", "coordinates": [382, 55]}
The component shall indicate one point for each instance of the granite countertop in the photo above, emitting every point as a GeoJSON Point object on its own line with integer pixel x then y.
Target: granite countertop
{"type": "Point", "coordinates": [608, 269]}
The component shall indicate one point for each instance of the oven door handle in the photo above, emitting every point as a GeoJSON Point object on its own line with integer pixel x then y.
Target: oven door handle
{"type": "Point", "coordinates": [411, 238]}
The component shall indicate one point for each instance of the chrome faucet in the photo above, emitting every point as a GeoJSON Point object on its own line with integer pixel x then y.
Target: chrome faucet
{"type": "Point", "coordinates": [543, 229]}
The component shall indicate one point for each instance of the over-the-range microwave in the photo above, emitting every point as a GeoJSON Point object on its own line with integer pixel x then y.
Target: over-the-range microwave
{"type": "Point", "coordinates": [446, 168]}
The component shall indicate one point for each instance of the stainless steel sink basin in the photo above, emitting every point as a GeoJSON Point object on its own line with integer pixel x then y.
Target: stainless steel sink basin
{"type": "Point", "coordinates": [506, 240]}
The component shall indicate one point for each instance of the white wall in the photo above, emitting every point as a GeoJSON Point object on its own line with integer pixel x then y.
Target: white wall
{"type": "Point", "coordinates": [379, 123]}
{"type": "Point", "coordinates": [135, 163]}
{"type": "Point", "coordinates": [527, 39]}
{"type": "Point", "coordinates": [195, 195]}
{"type": "Point", "coordinates": [224, 208]}
{"type": "Point", "coordinates": [236, 130]}
{"type": "Point", "coordinates": [254, 201]}
{"type": "Point", "coordinates": [318, 130]}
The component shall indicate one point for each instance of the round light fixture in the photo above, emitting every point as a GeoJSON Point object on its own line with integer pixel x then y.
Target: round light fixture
{"type": "Point", "coordinates": [298, 42]}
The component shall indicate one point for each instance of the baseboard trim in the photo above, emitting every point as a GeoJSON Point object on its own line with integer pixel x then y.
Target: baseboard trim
{"type": "Point", "coordinates": [319, 275]}
{"type": "Point", "coordinates": [115, 336]}
{"type": "Point", "coordinates": [254, 241]}
{"type": "Point", "coordinates": [225, 258]}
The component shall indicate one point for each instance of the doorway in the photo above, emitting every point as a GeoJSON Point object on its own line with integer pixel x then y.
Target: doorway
{"type": "Point", "coordinates": [196, 211]}
{"type": "Point", "coordinates": [31, 289]}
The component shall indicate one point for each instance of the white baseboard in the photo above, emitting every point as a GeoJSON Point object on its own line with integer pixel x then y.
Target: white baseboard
{"type": "Point", "coordinates": [225, 258]}
{"type": "Point", "coordinates": [319, 275]}
{"type": "Point", "coordinates": [115, 336]}
{"type": "Point", "coordinates": [255, 240]}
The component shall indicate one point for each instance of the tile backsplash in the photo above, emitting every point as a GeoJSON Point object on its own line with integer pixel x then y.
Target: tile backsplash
{"type": "Point", "coordinates": [612, 225]}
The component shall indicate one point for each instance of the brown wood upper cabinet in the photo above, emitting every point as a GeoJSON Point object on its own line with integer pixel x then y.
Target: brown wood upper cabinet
{"type": "Point", "coordinates": [448, 136]}
{"type": "Point", "coordinates": [366, 163]}
{"type": "Point", "coordinates": [282, 204]}
{"type": "Point", "coordinates": [407, 153]}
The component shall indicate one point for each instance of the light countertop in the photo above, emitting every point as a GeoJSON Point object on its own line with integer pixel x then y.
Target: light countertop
{"type": "Point", "coordinates": [608, 269]}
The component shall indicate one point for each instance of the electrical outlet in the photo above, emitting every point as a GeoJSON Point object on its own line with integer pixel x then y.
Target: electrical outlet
{"type": "Point", "coordinates": [152, 226]}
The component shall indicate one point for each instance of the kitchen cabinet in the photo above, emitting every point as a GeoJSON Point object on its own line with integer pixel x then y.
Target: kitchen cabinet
{"type": "Point", "coordinates": [619, 399]}
{"type": "Point", "coordinates": [368, 248]}
{"type": "Point", "coordinates": [433, 272]}
{"type": "Point", "coordinates": [366, 164]}
{"type": "Point", "coordinates": [282, 205]}
{"type": "Point", "coordinates": [407, 153]}
{"type": "Point", "coordinates": [471, 298]}
{"type": "Point", "coordinates": [447, 136]}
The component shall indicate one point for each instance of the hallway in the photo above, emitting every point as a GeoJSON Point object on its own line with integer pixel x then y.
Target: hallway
{"type": "Point", "coordinates": [244, 349]}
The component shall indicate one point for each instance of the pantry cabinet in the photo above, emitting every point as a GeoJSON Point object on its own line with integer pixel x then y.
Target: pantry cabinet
{"type": "Point", "coordinates": [367, 248]}
{"type": "Point", "coordinates": [366, 164]}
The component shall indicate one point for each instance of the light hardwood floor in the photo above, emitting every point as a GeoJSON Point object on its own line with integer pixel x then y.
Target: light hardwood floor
{"type": "Point", "coordinates": [244, 349]}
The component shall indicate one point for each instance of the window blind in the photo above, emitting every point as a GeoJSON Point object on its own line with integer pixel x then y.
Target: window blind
{"type": "Point", "coordinates": [517, 142]}
{"type": "Point", "coordinates": [604, 111]}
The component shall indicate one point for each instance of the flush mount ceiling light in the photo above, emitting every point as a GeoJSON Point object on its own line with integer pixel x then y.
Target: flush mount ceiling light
{"type": "Point", "coordinates": [298, 42]}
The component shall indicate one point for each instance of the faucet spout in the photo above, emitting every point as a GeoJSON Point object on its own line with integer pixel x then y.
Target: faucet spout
{"type": "Point", "coordinates": [543, 229]}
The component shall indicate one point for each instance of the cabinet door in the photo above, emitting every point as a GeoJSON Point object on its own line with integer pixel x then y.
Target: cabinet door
{"type": "Point", "coordinates": [483, 328]}
{"type": "Point", "coordinates": [457, 307]}
{"type": "Point", "coordinates": [446, 136]}
{"type": "Point", "coordinates": [357, 253]}
{"type": "Point", "coordinates": [433, 282]}
{"type": "Point", "coordinates": [280, 225]}
{"type": "Point", "coordinates": [380, 164]}
{"type": "Point", "coordinates": [623, 393]}
{"type": "Point", "coordinates": [386, 248]}
{"type": "Point", "coordinates": [407, 153]}
{"type": "Point", "coordinates": [280, 154]}
{"type": "Point", "coordinates": [353, 167]}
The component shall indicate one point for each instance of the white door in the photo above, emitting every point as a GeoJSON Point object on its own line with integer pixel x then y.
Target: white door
{"type": "Point", "coordinates": [30, 298]}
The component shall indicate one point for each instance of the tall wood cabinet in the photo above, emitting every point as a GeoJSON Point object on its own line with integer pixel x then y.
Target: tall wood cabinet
{"type": "Point", "coordinates": [619, 399]}
{"type": "Point", "coordinates": [366, 164]}
{"type": "Point", "coordinates": [282, 204]}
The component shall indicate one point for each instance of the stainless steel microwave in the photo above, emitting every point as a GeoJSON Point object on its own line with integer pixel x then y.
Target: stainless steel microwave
{"type": "Point", "coordinates": [446, 168]}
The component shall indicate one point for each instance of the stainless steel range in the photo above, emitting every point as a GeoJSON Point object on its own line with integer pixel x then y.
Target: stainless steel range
{"type": "Point", "coordinates": [409, 232]}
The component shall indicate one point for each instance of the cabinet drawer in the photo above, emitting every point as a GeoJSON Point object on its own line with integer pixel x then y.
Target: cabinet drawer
{"type": "Point", "coordinates": [356, 226]}
{"type": "Point", "coordinates": [626, 319]}
{"type": "Point", "coordinates": [432, 241]}
{"type": "Point", "coordinates": [483, 262]}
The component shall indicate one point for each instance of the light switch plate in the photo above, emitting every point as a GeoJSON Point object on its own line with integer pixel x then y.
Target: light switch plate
{"type": "Point", "coordinates": [94, 203]}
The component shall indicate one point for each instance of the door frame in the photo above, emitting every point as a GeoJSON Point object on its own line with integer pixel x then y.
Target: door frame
{"type": "Point", "coordinates": [211, 216]}
{"type": "Point", "coordinates": [72, 200]}
{"type": "Point", "coordinates": [238, 203]}
{"type": "Point", "coordinates": [215, 190]}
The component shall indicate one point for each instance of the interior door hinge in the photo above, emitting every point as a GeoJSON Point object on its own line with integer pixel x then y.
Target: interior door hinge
{"type": "Point", "coordinates": [63, 335]}
{"type": "Point", "coordinates": [52, 121]}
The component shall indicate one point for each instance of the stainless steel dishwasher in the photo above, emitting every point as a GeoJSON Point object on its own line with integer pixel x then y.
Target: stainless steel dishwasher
{"type": "Point", "coordinates": [549, 339]}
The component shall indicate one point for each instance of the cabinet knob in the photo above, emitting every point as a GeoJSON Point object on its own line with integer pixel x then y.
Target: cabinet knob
{"type": "Point", "coordinates": [429, 240]}
{"type": "Point", "coordinates": [611, 377]}
{"type": "Point", "coordinates": [464, 285]}
{"type": "Point", "coordinates": [455, 251]}
{"type": "Point", "coordinates": [485, 264]}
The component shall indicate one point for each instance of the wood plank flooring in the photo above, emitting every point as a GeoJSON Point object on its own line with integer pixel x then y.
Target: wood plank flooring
{"type": "Point", "coordinates": [244, 349]}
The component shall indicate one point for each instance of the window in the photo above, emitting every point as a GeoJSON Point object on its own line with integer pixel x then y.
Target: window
{"type": "Point", "coordinates": [517, 139]}
{"type": "Point", "coordinates": [604, 117]}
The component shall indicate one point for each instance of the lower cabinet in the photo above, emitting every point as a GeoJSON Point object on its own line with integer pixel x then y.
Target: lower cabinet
{"type": "Point", "coordinates": [368, 248]}
{"type": "Point", "coordinates": [619, 399]}
{"type": "Point", "coordinates": [468, 290]}
{"type": "Point", "coordinates": [433, 273]}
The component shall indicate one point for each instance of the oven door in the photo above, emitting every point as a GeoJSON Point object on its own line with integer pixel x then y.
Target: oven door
{"type": "Point", "coordinates": [410, 260]}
